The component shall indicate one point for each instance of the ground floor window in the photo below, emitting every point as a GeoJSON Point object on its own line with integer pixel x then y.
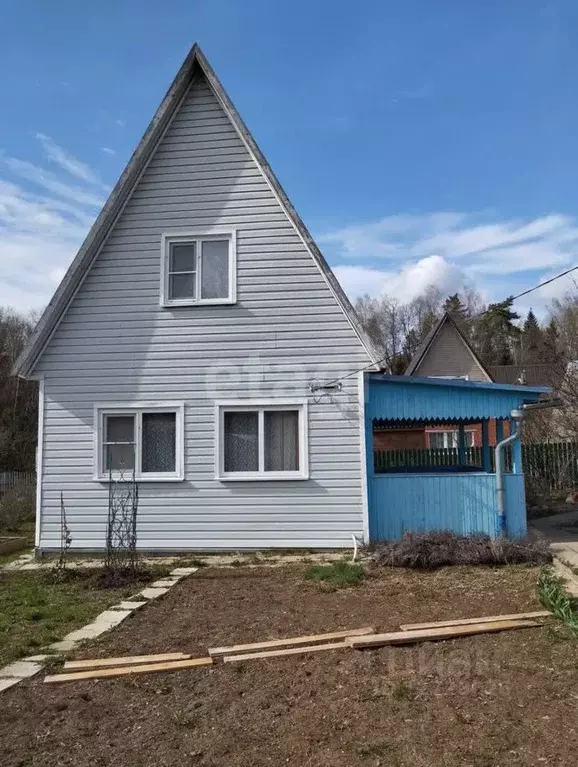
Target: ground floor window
{"type": "Point", "coordinates": [144, 440]}
{"type": "Point", "coordinates": [262, 440]}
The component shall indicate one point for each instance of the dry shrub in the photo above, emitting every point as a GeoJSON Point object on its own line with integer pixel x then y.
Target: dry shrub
{"type": "Point", "coordinates": [17, 506]}
{"type": "Point", "coordinates": [427, 551]}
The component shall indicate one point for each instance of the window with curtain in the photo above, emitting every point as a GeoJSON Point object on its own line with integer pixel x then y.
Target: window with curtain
{"type": "Point", "coordinates": [440, 440]}
{"type": "Point", "coordinates": [262, 442]}
{"type": "Point", "coordinates": [198, 269]}
{"type": "Point", "coordinates": [145, 441]}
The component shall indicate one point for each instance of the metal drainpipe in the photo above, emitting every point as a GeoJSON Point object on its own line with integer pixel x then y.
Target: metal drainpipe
{"type": "Point", "coordinates": [518, 416]}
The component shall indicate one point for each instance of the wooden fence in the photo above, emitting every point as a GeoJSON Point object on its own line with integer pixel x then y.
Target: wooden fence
{"type": "Point", "coordinates": [553, 465]}
{"type": "Point", "coordinates": [10, 480]}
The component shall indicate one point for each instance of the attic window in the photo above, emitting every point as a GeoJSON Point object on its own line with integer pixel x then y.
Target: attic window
{"type": "Point", "coordinates": [198, 268]}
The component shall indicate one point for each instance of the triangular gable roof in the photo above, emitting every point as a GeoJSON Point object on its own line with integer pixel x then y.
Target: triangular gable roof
{"type": "Point", "coordinates": [128, 180]}
{"type": "Point", "coordinates": [428, 341]}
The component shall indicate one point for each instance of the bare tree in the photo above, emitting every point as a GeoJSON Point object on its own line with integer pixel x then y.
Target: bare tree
{"type": "Point", "coordinates": [397, 328]}
{"type": "Point", "coordinates": [18, 398]}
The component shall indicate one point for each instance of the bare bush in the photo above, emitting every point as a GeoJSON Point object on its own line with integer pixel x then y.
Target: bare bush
{"type": "Point", "coordinates": [428, 551]}
{"type": "Point", "coordinates": [17, 506]}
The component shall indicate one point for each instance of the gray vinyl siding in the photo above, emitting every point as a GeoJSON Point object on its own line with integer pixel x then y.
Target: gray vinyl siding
{"type": "Point", "coordinates": [116, 344]}
{"type": "Point", "coordinates": [448, 355]}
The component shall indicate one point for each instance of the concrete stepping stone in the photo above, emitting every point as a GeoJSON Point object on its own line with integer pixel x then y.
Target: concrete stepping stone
{"type": "Point", "coordinates": [151, 593]}
{"type": "Point", "coordinates": [5, 684]}
{"type": "Point", "coordinates": [132, 606]}
{"type": "Point", "coordinates": [64, 645]}
{"type": "Point", "coordinates": [16, 672]}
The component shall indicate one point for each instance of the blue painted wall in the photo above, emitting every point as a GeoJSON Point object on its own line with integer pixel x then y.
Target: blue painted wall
{"type": "Point", "coordinates": [465, 504]}
{"type": "Point", "coordinates": [462, 502]}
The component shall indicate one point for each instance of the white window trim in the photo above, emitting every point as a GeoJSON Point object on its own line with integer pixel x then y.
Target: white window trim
{"type": "Point", "coordinates": [138, 408]}
{"type": "Point", "coordinates": [244, 405]}
{"type": "Point", "coordinates": [197, 235]}
{"type": "Point", "coordinates": [446, 433]}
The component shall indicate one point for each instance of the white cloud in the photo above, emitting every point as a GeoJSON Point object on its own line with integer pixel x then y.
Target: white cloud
{"type": "Point", "coordinates": [358, 280]}
{"type": "Point", "coordinates": [52, 183]}
{"type": "Point", "coordinates": [56, 154]}
{"type": "Point", "coordinates": [43, 221]}
{"type": "Point", "coordinates": [120, 123]}
{"type": "Point", "coordinates": [412, 280]}
{"type": "Point", "coordinates": [400, 255]}
{"type": "Point", "coordinates": [107, 150]}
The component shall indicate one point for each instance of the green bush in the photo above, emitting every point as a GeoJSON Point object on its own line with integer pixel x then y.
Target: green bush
{"type": "Point", "coordinates": [338, 575]}
{"type": "Point", "coordinates": [17, 507]}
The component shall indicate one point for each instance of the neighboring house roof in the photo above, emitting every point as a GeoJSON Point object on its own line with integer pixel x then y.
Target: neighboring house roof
{"type": "Point", "coordinates": [529, 375]}
{"type": "Point", "coordinates": [122, 191]}
{"type": "Point", "coordinates": [429, 359]}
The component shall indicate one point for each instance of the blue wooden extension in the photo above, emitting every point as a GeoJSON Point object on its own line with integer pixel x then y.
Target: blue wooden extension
{"type": "Point", "coordinates": [461, 501]}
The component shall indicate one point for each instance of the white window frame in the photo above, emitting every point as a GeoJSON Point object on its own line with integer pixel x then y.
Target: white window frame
{"type": "Point", "coordinates": [260, 406]}
{"type": "Point", "coordinates": [197, 237]}
{"type": "Point", "coordinates": [448, 437]}
{"type": "Point", "coordinates": [137, 409]}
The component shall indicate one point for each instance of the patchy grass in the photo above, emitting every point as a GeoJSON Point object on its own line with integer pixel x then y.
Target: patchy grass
{"type": "Point", "coordinates": [403, 690]}
{"type": "Point", "coordinates": [37, 607]}
{"type": "Point", "coordinates": [337, 575]}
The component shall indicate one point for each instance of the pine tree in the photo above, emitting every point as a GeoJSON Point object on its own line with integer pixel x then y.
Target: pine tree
{"type": "Point", "coordinates": [532, 341]}
{"type": "Point", "coordinates": [455, 308]}
{"type": "Point", "coordinates": [495, 335]}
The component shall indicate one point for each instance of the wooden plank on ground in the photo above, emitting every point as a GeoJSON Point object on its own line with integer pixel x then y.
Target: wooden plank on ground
{"type": "Point", "coordinates": [121, 671]}
{"type": "Point", "coordinates": [468, 621]}
{"type": "Point", "coordinates": [426, 635]}
{"type": "Point", "coordinates": [287, 651]}
{"type": "Point", "coordinates": [130, 660]}
{"type": "Point", "coordinates": [216, 652]}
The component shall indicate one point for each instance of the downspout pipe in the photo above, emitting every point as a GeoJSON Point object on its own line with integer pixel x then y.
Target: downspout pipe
{"type": "Point", "coordinates": [518, 417]}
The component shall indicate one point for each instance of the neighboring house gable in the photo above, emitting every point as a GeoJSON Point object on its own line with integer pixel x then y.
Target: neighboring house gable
{"type": "Point", "coordinates": [131, 339]}
{"type": "Point", "coordinates": [446, 352]}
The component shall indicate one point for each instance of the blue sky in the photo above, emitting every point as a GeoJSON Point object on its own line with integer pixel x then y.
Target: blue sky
{"type": "Point", "coordinates": [422, 142]}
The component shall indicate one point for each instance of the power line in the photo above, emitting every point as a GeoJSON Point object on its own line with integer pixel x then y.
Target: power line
{"type": "Point", "coordinates": [546, 282]}
{"type": "Point", "coordinates": [475, 317]}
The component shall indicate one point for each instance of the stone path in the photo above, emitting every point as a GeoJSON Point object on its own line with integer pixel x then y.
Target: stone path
{"type": "Point", "coordinates": [27, 561]}
{"type": "Point", "coordinates": [28, 667]}
{"type": "Point", "coordinates": [562, 531]}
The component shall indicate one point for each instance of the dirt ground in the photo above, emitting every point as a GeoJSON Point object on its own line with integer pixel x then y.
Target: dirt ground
{"type": "Point", "coordinates": [485, 701]}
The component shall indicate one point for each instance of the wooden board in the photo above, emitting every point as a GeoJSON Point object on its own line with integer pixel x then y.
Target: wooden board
{"type": "Point", "coordinates": [287, 651]}
{"type": "Point", "coordinates": [145, 669]}
{"type": "Point", "coordinates": [447, 632]}
{"type": "Point", "coordinates": [130, 660]}
{"type": "Point", "coordinates": [279, 643]}
{"type": "Point", "coordinates": [467, 621]}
